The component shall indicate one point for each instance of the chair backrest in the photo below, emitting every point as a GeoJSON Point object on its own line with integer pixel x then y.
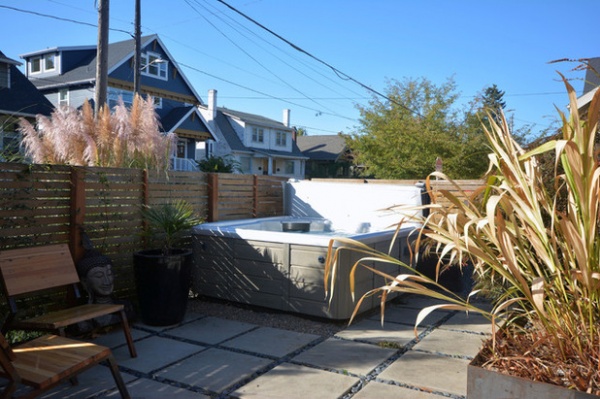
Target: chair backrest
{"type": "Point", "coordinates": [26, 270]}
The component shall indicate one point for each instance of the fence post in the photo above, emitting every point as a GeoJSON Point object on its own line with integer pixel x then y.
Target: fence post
{"type": "Point", "coordinates": [213, 197]}
{"type": "Point", "coordinates": [254, 196]}
{"type": "Point", "coordinates": [77, 212]}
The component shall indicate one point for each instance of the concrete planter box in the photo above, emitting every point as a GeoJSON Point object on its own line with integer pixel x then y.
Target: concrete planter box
{"type": "Point", "coordinates": [488, 384]}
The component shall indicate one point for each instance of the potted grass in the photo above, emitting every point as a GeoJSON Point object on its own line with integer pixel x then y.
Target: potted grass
{"type": "Point", "coordinates": [537, 246]}
{"type": "Point", "coordinates": [163, 273]}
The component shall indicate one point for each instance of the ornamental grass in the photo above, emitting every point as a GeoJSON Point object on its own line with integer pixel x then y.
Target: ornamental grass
{"type": "Point", "coordinates": [535, 245]}
{"type": "Point", "coordinates": [126, 137]}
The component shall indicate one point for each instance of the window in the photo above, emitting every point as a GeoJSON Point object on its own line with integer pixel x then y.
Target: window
{"type": "Point", "coordinates": [63, 97]}
{"type": "Point", "coordinates": [246, 164]}
{"type": "Point", "coordinates": [115, 94]}
{"type": "Point", "coordinates": [153, 65]}
{"type": "Point", "coordinates": [157, 102]}
{"type": "Point", "coordinates": [258, 135]}
{"type": "Point", "coordinates": [49, 62]}
{"type": "Point", "coordinates": [181, 147]}
{"type": "Point", "coordinates": [281, 139]}
{"type": "Point", "coordinates": [289, 167]}
{"type": "Point", "coordinates": [4, 76]}
{"type": "Point", "coordinates": [35, 65]}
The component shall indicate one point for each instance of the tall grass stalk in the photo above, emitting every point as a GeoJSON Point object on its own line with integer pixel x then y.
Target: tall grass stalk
{"type": "Point", "coordinates": [543, 259]}
{"type": "Point", "coordinates": [127, 137]}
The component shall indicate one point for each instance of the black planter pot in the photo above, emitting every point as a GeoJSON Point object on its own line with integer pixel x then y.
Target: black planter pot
{"type": "Point", "coordinates": [163, 285]}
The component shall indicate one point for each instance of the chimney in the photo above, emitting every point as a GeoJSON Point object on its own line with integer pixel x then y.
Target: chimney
{"type": "Point", "coordinates": [212, 103]}
{"type": "Point", "coordinates": [286, 117]}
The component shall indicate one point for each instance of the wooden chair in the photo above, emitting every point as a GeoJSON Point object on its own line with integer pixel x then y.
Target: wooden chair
{"type": "Point", "coordinates": [45, 362]}
{"type": "Point", "coordinates": [30, 271]}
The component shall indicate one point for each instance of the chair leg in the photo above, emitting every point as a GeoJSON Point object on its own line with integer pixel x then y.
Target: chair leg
{"type": "Point", "coordinates": [127, 332]}
{"type": "Point", "coordinates": [73, 380]}
{"type": "Point", "coordinates": [114, 369]}
{"type": "Point", "coordinates": [9, 390]}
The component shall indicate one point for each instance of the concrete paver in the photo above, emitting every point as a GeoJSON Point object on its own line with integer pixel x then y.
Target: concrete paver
{"type": "Point", "coordinates": [210, 357]}
{"type": "Point", "coordinates": [150, 389]}
{"type": "Point", "coordinates": [472, 322]}
{"type": "Point", "coordinates": [453, 343]}
{"type": "Point", "coordinates": [155, 353]}
{"type": "Point", "coordinates": [408, 316]}
{"type": "Point", "coordinates": [378, 390]}
{"type": "Point", "coordinates": [211, 330]}
{"type": "Point", "coordinates": [430, 372]}
{"type": "Point", "coordinates": [214, 369]}
{"type": "Point", "coordinates": [372, 331]}
{"type": "Point", "coordinates": [291, 381]}
{"type": "Point", "coordinates": [342, 355]}
{"type": "Point", "coordinates": [271, 341]}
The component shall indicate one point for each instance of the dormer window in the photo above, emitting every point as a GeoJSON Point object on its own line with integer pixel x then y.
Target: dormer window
{"type": "Point", "coordinates": [43, 63]}
{"type": "Point", "coordinates": [49, 62]}
{"type": "Point", "coordinates": [153, 65]}
{"type": "Point", "coordinates": [35, 65]}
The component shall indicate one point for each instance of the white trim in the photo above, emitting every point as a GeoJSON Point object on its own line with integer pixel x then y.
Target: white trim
{"type": "Point", "coordinates": [68, 97]}
{"type": "Point", "coordinates": [161, 66]}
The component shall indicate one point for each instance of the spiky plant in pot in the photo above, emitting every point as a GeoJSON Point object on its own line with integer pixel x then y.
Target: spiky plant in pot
{"type": "Point", "coordinates": [544, 258]}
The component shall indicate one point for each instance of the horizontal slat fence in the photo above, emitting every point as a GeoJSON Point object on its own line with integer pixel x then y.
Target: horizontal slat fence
{"type": "Point", "coordinates": [41, 204]}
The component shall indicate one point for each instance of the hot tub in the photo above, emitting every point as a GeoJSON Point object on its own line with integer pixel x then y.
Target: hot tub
{"type": "Point", "coordinates": [261, 262]}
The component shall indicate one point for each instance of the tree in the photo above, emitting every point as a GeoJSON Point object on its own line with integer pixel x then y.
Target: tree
{"type": "Point", "coordinates": [402, 138]}
{"type": "Point", "coordinates": [300, 131]}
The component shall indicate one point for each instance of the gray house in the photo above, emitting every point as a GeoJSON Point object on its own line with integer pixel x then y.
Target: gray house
{"type": "Point", "coordinates": [19, 98]}
{"type": "Point", "coordinates": [66, 76]}
{"type": "Point", "coordinates": [260, 145]}
{"type": "Point", "coordinates": [328, 156]}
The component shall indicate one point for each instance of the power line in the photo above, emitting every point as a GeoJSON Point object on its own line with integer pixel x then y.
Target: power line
{"type": "Point", "coordinates": [340, 74]}
{"type": "Point", "coordinates": [39, 14]}
{"type": "Point", "coordinates": [263, 93]}
{"type": "Point", "coordinates": [252, 57]}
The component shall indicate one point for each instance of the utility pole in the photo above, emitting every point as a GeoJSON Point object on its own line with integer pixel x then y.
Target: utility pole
{"type": "Point", "coordinates": [137, 66]}
{"type": "Point", "coordinates": [102, 57]}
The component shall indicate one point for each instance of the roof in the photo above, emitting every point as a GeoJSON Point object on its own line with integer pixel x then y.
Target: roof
{"type": "Point", "coordinates": [323, 147]}
{"type": "Point", "coordinates": [236, 144]}
{"type": "Point", "coordinates": [23, 98]}
{"type": "Point", "coordinates": [254, 119]}
{"type": "Point", "coordinates": [118, 54]}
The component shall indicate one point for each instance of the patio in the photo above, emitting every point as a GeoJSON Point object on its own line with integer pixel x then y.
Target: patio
{"type": "Point", "coordinates": [212, 357]}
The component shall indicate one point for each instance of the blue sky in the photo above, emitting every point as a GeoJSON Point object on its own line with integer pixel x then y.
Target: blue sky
{"type": "Point", "coordinates": [476, 42]}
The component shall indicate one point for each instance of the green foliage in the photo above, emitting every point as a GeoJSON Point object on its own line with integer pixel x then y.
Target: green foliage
{"type": "Point", "coordinates": [167, 224]}
{"type": "Point", "coordinates": [402, 139]}
{"type": "Point", "coordinates": [216, 164]}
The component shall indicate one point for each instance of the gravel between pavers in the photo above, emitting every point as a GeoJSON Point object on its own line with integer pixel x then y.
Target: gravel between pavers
{"type": "Point", "coordinates": [265, 317]}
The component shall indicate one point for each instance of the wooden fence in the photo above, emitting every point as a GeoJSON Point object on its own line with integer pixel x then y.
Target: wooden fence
{"type": "Point", "coordinates": [42, 204]}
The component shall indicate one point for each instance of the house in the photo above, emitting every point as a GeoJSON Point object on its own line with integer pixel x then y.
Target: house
{"type": "Point", "coordinates": [19, 98]}
{"type": "Point", "coordinates": [329, 156]}
{"type": "Point", "coordinates": [591, 84]}
{"type": "Point", "coordinates": [67, 75]}
{"type": "Point", "coordinates": [259, 145]}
